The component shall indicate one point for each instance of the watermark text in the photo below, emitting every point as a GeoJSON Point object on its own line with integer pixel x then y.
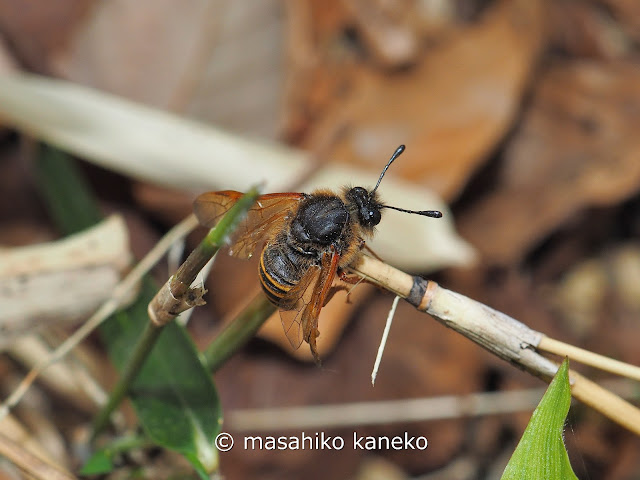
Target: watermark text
{"type": "Point", "coordinates": [323, 441]}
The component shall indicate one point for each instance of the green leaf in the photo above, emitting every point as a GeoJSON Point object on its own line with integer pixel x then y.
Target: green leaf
{"type": "Point", "coordinates": [67, 196]}
{"type": "Point", "coordinates": [174, 395]}
{"type": "Point", "coordinates": [100, 462]}
{"type": "Point", "coordinates": [541, 453]}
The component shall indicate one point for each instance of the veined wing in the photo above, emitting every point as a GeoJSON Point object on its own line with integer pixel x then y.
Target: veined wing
{"type": "Point", "coordinates": [267, 215]}
{"type": "Point", "coordinates": [308, 296]}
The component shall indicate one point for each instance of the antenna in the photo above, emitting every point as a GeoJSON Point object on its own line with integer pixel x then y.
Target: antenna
{"type": "Point", "coordinates": [395, 155]}
{"type": "Point", "coordinates": [425, 213]}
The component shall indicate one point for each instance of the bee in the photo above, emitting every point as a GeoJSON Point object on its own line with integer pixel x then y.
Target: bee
{"type": "Point", "coordinates": [308, 239]}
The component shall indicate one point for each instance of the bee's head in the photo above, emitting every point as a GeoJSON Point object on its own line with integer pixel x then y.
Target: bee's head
{"type": "Point", "coordinates": [368, 206]}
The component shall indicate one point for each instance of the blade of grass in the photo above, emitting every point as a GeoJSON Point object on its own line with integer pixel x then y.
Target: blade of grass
{"type": "Point", "coordinates": [541, 453]}
{"type": "Point", "coordinates": [67, 197]}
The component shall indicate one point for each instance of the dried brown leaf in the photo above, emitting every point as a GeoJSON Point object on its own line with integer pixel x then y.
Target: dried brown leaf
{"type": "Point", "coordinates": [578, 147]}
{"type": "Point", "coordinates": [581, 29]}
{"type": "Point", "coordinates": [38, 31]}
{"type": "Point", "coordinates": [453, 107]}
{"type": "Point", "coordinates": [220, 62]}
{"type": "Point", "coordinates": [627, 12]}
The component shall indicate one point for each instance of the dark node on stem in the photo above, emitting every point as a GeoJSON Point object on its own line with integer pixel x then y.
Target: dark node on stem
{"type": "Point", "coordinates": [417, 292]}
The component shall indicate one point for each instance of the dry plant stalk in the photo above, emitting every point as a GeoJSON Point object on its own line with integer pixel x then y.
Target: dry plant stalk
{"type": "Point", "coordinates": [32, 443]}
{"type": "Point", "coordinates": [495, 331]}
{"type": "Point", "coordinates": [177, 295]}
{"type": "Point", "coordinates": [172, 299]}
{"type": "Point", "coordinates": [601, 362]}
{"type": "Point", "coordinates": [63, 280]}
{"type": "Point", "coordinates": [118, 297]}
{"type": "Point", "coordinates": [32, 465]}
{"type": "Point", "coordinates": [69, 380]}
{"type": "Point", "coordinates": [385, 411]}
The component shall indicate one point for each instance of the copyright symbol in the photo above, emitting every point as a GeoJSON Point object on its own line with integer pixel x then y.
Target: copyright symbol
{"type": "Point", "coordinates": [224, 442]}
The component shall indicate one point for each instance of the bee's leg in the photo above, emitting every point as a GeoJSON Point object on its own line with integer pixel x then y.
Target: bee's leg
{"type": "Point", "coordinates": [310, 334]}
{"type": "Point", "coordinates": [335, 289]}
{"type": "Point", "coordinates": [373, 254]}
{"type": "Point", "coordinates": [315, 333]}
{"type": "Point", "coordinates": [352, 279]}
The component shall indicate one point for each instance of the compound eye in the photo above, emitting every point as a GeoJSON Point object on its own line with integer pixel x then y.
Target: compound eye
{"type": "Point", "coordinates": [370, 217]}
{"type": "Point", "coordinates": [374, 217]}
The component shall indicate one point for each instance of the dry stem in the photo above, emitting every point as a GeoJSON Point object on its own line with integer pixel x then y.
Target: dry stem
{"type": "Point", "coordinates": [119, 294]}
{"type": "Point", "coordinates": [65, 280]}
{"type": "Point", "coordinates": [581, 355]}
{"type": "Point", "coordinates": [384, 412]}
{"type": "Point", "coordinates": [29, 463]}
{"type": "Point", "coordinates": [500, 334]}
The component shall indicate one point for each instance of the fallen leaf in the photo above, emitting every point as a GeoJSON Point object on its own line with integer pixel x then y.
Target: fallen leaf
{"type": "Point", "coordinates": [627, 13]}
{"type": "Point", "coordinates": [582, 29]}
{"type": "Point", "coordinates": [37, 31]}
{"type": "Point", "coordinates": [220, 62]}
{"type": "Point", "coordinates": [578, 147]}
{"type": "Point", "coordinates": [451, 108]}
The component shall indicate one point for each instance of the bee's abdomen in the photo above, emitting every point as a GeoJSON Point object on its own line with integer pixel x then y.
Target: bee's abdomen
{"type": "Point", "coordinates": [279, 273]}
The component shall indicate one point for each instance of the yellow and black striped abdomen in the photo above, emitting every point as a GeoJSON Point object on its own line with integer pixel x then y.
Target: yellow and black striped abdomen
{"type": "Point", "coordinates": [274, 289]}
{"type": "Point", "coordinates": [281, 268]}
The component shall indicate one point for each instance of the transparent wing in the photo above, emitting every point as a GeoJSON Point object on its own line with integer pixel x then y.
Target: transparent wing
{"type": "Point", "coordinates": [300, 297]}
{"type": "Point", "coordinates": [301, 322]}
{"type": "Point", "coordinates": [267, 216]}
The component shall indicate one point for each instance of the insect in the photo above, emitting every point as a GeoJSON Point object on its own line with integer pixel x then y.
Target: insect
{"type": "Point", "coordinates": [309, 238]}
